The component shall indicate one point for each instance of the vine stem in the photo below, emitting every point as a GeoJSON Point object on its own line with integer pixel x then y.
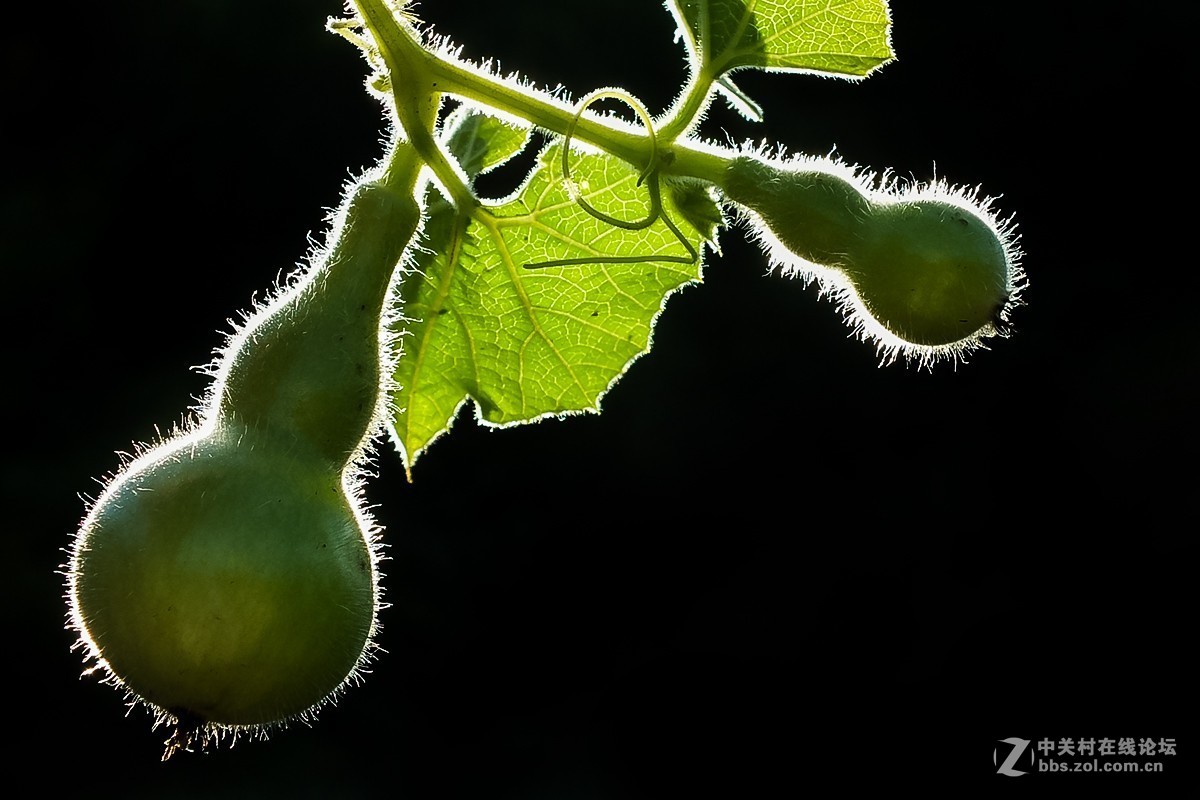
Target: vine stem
{"type": "Point", "coordinates": [416, 97]}
{"type": "Point", "coordinates": [420, 73]}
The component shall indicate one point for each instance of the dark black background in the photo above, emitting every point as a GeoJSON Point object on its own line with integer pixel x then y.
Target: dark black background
{"type": "Point", "coordinates": [770, 561]}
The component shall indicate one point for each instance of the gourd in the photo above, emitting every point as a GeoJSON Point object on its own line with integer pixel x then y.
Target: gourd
{"type": "Point", "coordinates": [227, 578]}
{"type": "Point", "coordinates": [924, 270]}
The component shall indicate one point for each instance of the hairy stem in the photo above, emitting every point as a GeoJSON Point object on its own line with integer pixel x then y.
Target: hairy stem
{"type": "Point", "coordinates": [419, 72]}
{"type": "Point", "coordinates": [415, 95]}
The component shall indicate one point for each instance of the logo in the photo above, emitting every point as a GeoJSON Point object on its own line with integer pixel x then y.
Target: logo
{"type": "Point", "coordinates": [1018, 747]}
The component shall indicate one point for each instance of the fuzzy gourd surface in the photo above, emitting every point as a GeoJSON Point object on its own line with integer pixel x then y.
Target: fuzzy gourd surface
{"type": "Point", "coordinates": [227, 576]}
{"type": "Point", "coordinates": [814, 214]}
{"type": "Point", "coordinates": [930, 270]}
{"type": "Point", "coordinates": [309, 371]}
{"type": "Point", "coordinates": [226, 584]}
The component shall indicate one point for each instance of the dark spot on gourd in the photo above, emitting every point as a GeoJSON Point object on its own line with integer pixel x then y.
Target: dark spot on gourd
{"type": "Point", "coordinates": [443, 311]}
{"type": "Point", "coordinates": [186, 720]}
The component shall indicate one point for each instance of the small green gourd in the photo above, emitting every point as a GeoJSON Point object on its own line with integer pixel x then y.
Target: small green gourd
{"type": "Point", "coordinates": [927, 271]}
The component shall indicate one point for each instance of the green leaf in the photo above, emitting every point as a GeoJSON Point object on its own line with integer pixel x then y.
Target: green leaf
{"type": "Point", "coordinates": [840, 37]}
{"type": "Point", "coordinates": [481, 142]}
{"type": "Point", "coordinates": [485, 322]}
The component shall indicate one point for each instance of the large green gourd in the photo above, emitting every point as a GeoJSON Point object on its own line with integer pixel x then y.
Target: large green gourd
{"type": "Point", "coordinates": [227, 576]}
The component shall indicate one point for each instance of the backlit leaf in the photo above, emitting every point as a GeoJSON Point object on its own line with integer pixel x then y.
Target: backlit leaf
{"type": "Point", "coordinates": [485, 322]}
{"type": "Point", "coordinates": [841, 37]}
